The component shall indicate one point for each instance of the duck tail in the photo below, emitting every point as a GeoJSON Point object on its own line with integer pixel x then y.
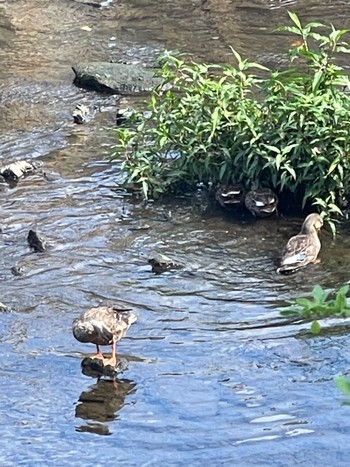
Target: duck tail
{"type": "Point", "coordinates": [288, 269]}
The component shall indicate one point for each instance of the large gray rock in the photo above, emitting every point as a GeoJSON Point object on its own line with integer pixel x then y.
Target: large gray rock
{"type": "Point", "coordinates": [114, 78]}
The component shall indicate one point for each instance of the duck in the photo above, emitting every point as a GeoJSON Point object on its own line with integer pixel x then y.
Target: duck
{"type": "Point", "coordinates": [103, 325]}
{"type": "Point", "coordinates": [261, 202]}
{"type": "Point", "coordinates": [303, 248]}
{"type": "Point", "coordinates": [230, 196]}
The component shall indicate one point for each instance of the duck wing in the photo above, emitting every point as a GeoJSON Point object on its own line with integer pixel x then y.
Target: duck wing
{"type": "Point", "coordinates": [95, 325]}
{"type": "Point", "coordinates": [299, 251]}
{"type": "Point", "coordinates": [124, 318]}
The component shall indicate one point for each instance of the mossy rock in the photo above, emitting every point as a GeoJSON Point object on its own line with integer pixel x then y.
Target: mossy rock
{"type": "Point", "coordinates": [115, 78]}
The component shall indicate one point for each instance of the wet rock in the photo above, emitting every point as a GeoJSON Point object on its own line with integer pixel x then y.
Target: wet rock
{"type": "Point", "coordinates": [36, 241]}
{"type": "Point", "coordinates": [82, 114]}
{"type": "Point", "coordinates": [94, 367]}
{"type": "Point", "coordinates": [4, 308]}
{"type": "Point", "coordinates": [161, 263]}
{"type": "Point", "coordinates": [51, 176]}
{"type": "Point", "coordinates": [201, 200]}
{"type": "Point", "coordinates": [115, 78]}
{"type": "Point", "coordinates": [123, 115]}
{"type": "Point", "coordinates": [18, 169]}
{"type": "Point", "coordinates": [17, 271]}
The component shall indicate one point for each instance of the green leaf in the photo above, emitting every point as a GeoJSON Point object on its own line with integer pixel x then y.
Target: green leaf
{"type": "Point", "coordinates": [337, 34]}
{"type": "Point", "coordinates": [317, 80]}
{"type": "Point", "coordinates": [304, 302]}
{"type": "Point", "coordinates": [340, 299]}
{"type": "Point", "coordinates": [145, 189]}
{"type": "Point", "coordinates": [333, 165]}
{"type": "Point", "coordinates": [222, 172]}
{"type": "Point", "coordinates": [278, 160]}
{"type": "Point", "coordinates": [287, 149]}
{"type": "Point", "coordinates": [315, 327]}
{"type": "Point", "coordinates": [319, 294]}
{"type": "Point", "coordinates": [344, 289]}
{"type": "Point", "coordinates": [258, 66]}
{"type": "Point", "coordinates": [334, 208]}
{"type": "Point", "coordinates": [315, 25]}
{"type": "Point", "coordinates": [291, 171]}
{"type": "Point", "coordinates": [272, 148]}
{"type": "Point", "coordinates": [342, 49]}
{"type": "Point", "coordinates": [236, 54]}
{"type": "Point", "coordinates": [294, 17]}
{"type": "Point", "coordinates": [216, 116]}
{"type": "Point", "coordinates": [343, 384]}
{"type": "Point", "coordinates": [291, 29]}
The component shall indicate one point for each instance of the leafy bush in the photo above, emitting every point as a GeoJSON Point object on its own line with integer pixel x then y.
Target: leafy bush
{"type": "Point", "coordinates": [217, 124]}
{"type": "Point", "coordinates": [319, 307]}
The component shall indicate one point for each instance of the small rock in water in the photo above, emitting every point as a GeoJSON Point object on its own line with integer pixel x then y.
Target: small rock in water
{"type": "Point", "coordinates": [95, 368]}
{"type": "Point", "coordinates": [36, 241]}
{"type": "Point", "coordinates": [17, 270]}
{"type": "Point", "coordinates": [123, 115]}
{"type": "Point", "coordinates": [51, 176]}
{"type": "Point", "coordinates": [161, 263]}
{"type": "Point", "coordinates": [4, 308]}
{"type": "Point", "coordinates": [19, 169]}
{"type": "Point", "coordinates": [81, 114]}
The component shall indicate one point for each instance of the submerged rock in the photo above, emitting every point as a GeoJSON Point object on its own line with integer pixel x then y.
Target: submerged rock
{"type": "Point", "coordinates": [123, 115]}
{"type": "Point", "coordinates": [17, 271]}
{"type": "Point", "coordinates": [36, 241]}
{"type": "Point", "coordinates": [161, 263]}
{"type": "Point", "coordinates": [82, 114]}
{"type": "Point", "coordinates": [18, 169]}
{"type": "Point", "coordinates": [114, 78]}
{"type": "Point", "coordinates": [4, 308]}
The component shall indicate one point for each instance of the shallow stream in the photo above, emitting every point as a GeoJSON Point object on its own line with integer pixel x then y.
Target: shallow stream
{"type": "Point", "coordinates": [210, 377]}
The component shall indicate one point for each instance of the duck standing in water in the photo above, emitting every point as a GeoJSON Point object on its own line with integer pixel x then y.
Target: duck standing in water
{"type": "Point", "coordinates": [302, 249]}
{"type": "Point", "coordinates": [261, 202]}
{"type": "Point", "coordinates": [103, 326]}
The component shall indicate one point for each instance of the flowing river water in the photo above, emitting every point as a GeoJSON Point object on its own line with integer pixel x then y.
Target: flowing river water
{"type": "Point", "coordinates": [209, 377]}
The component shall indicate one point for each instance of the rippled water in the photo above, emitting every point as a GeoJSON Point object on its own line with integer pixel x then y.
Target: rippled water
{"type": "Point", "coordinates": [211, 374]}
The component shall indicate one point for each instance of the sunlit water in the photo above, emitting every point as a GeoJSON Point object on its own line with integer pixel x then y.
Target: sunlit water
{"type": "Point", "coordinates": [212, 376]}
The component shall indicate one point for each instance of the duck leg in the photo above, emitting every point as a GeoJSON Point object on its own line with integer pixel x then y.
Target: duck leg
{"type": "Point", "coordinates": [98, 353]}
{"type": "Point", "coordinates": [113, 360]}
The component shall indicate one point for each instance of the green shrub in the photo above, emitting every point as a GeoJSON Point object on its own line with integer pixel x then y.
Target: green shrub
{"type": "Point", "coordinates": [320, 306]}
{"type": "Point", "coordinates": [287, 129]}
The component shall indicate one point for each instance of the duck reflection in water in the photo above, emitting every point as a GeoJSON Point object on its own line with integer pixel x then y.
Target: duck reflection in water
{"type": "Point", "coordinates": [101, 403]}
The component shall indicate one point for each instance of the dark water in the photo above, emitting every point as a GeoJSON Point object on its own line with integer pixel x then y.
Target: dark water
{"type": "Point", "coordinates": [203, 383]}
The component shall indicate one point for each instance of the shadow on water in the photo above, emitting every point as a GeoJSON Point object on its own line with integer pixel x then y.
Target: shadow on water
{"type": "Point", "coordinates": [219, 377]}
